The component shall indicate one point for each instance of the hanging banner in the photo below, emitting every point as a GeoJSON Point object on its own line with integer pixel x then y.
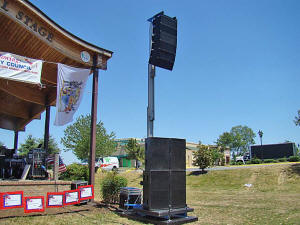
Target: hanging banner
{"type": "Point", "coordinates": [34, 204]}
{"type": "Point", "coordinates": [70, 86]}
{"type": "Point", "coordinates": [20, 68]}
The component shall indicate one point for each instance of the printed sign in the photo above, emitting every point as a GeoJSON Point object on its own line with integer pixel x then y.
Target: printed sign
{"type": "Point", "coordinates": [11, 200]}
{"type": "Point", "coordinates": [20, 68]}
{"type": "Point", "coordinates": [55, 199]}
{"type": "Point", "coordinates": [85, 56]}
{"type": "Point", "coordinates": [34, 204]}
{"type": "Point", "coordinates": [71, 197]}
{"type": "Point", "coordinates": [86, 192]}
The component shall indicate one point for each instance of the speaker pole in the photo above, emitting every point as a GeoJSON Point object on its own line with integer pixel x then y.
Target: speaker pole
{"type": "Point", "coordinates": [150, 108]}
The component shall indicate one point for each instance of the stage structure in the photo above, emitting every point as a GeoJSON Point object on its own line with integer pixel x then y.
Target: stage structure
{"type": "Point", "coordinates": [27, 31]}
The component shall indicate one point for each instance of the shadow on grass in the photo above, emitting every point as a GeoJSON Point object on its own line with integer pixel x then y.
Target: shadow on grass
{"type": "Point", "coordinates": [296, 168]}
{"type": "Point", "coordinates": [197, 173]}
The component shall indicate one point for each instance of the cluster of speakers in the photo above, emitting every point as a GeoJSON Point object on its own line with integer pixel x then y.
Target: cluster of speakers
{"type": "Point", "coordinates": [164, 178]}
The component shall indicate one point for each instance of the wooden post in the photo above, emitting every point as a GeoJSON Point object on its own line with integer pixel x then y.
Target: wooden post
{"type": "Point", "coordinates": [16, 141]}
{"type": "Point", "coordinates": [55, 166]}
{"type": "Point", "coordinates": [46, 132]}
{"type": "Point", "coordinates": [93, 122]}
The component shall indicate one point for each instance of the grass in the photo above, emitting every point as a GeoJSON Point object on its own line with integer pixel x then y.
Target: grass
{"type": "Point", "coordinates": [218, 197]}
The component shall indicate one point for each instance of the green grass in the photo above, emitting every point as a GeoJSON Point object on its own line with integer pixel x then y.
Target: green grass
{"type": "Point", "coordinates": [218, 197]}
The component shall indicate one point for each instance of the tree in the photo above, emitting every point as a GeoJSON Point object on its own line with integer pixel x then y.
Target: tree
{"type": "Point", "coordinates": [238, 139]}
{"type": "Point", "coordinates": [202, 157]}
{"type": "Point", "coordinates": [77, 138]}
{"type": "Point", "coordinates": [297, 119]}
{"type": "Point", "coordinates": [30, 143]}
{"type": "Point", "coordinates": [135, 151]}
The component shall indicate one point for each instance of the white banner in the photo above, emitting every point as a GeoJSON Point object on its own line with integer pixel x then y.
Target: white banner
{"type": "Point", "coordinates": [70, 86]}
{"type": "Point", "coordinates": [20, 68]}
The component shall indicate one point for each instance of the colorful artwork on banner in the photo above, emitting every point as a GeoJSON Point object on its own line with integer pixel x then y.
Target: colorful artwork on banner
{"type": "Point", "coordinates": [10, 200]}
{"type": "Point", "coordinates": [20, 68]}
{"type": "Point", "coordinates": [70, 86]}
{"type": "Point", "coordinates": [86, 192]}
{"type": "Point", "coordinates": [55, 199]}
{"type": "Point", "coordinates": [71, 197]}
{"type": "Point", "coordinates": [34, 204]}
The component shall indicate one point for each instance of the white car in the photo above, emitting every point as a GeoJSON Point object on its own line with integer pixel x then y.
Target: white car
{"type": "Point", "coordinates": [107, 163]}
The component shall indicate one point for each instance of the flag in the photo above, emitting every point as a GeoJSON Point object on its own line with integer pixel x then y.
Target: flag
{"type": "Point", "coordinates": [70, 86]}
{"type": "Point", "coordinates": [20, 68]}
{"type": "Point", "coordinates": [50, 160]}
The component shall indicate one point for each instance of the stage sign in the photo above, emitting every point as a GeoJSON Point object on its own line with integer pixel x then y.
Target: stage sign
{"type": "Point", "coordinates": [86, 192]}
{"type": "Point", "coordinates": [34, 204]}
{"type": "Point", "coordinates": [71, 197]}
{"type": "Point", "coordinates": [10, 200]}
{"type": "Point", "coordinates": [55, 199]}
{"type": "Point", "coordinates": [20, 68]}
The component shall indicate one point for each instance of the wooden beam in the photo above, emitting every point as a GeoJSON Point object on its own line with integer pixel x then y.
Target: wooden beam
{"type": "Point", "coordinates": [26, 93]}
{"type": "Point", "coordinates": [14, 110]}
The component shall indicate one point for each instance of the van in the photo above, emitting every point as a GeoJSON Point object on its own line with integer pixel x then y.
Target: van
{"type": "Point", "coordinates": [107, 163]}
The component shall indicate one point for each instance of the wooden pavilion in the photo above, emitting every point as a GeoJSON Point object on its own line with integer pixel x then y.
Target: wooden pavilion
{"type": "Point", "coordinates": [27, 31]}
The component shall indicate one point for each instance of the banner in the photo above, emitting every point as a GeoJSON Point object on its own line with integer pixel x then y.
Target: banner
{"type": "Point", "coordinates": [55, 199]}
{"type": "Point", "coordinates": [10, 200]}
{"type": "Point", "coordinates": [71, 197]}
{"type": "Point", "coordinates": [70, 86]}
{"type": "Point", "coordinates": [86, 192]}
{"type": "Point", "coordinates": [20, 68]}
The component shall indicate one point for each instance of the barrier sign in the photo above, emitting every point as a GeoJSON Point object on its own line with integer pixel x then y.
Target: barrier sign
{"type": "Point", "coordinates": [55, 199]}
{"type": "Point", "coordinates": [10, 200]}
{"type": "Point", "coordinates": [34, 204]}
{"type": "Point", "coordinates": [86, 192]}
{"type": "Point", "coordinates": [71, 197]}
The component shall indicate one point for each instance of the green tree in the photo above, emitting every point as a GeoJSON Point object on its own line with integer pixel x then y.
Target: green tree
{"type": "Point", "coordinates": [135, 151]}
{"type": "Point", "coordinates": [202, 157]}
{"type": "Point", "coordinates": [30, 143]}
{"type": "Point", "coordinates": [238, 139]}
{"type": "Point", "coordinates": [52, 145]}
{"type": "Point", "coordinates": [77, 138]}
{"type": "Point", "coordinates": [297, 119]}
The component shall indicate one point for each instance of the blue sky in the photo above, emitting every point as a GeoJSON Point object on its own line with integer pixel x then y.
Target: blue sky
{"type": "Point", "coordinates": [237, 63]}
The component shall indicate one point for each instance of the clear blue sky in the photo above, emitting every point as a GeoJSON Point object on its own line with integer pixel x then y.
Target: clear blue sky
{"type": "Point", "coordinates": [237, 63]}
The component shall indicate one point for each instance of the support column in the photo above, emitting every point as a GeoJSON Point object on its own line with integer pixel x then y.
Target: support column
{"type": "Point", "coordinates": [93, 122]}
{"type": "Point", "coordinates": [46, 132]}
{"type": "Point", "coordinates": [16, 141]}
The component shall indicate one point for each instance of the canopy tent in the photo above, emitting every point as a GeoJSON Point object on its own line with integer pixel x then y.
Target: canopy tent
{"type": "Point", "coordinates": [26, 31]}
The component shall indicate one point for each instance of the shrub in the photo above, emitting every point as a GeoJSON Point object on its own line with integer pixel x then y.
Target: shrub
{"type": "Point", "coordinates": [239, 163]}
{"type": "Point", "coordinates": [255, 161]}
{"type": "Point", "coordinates": [282, 159]}
{"type": "Point", "coordinates": [75, 172]}
{"type": "Point", "coordinates": [270, 161]}
{"type": "Point", "coordinates": [110, 187]}
{"type": "Point", "coordinates": [294, 159]}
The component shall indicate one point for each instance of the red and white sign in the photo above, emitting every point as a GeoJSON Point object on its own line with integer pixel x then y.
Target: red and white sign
{"type": "Point", "coordinates": [71, 197]}
{"type": "Point", "coordinates": [11, 200]}
{"type": "Point", "coordinates": [34, 204]}
{"type": "Point", "coordinates": [86, 192]}
{"type": "Point", "coordinates": [20, 68]}
{"type": "Point", "coordinates": [55, 199]}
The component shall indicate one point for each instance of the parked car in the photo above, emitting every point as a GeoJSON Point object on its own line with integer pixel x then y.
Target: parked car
{"type": "Point", "coordinates": [107, 163]}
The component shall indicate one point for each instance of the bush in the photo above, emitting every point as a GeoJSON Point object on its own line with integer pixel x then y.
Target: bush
{"type": "Point", "coordinates": [110, 187]}
{"type": "Point", "coordinates": [270, 161]}
{"type": "Point", "coordinates": [75, 172]}
{"type": "Point", "coordinates": [294, 159]}
{"type": "Point", "coordinates": [282, 159]}
{"type": "Point", "coordinates": [255, 161]}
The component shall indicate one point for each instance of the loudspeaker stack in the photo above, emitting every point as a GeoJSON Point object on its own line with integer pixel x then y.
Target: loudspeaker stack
{"type": "Point", "coordinates": [164, 178]}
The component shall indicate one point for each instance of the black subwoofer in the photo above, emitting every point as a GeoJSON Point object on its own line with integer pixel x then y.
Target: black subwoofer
{"type": "Point", "coordinates": [164, 178]}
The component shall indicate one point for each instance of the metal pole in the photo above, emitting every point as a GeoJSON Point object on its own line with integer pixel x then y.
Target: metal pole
{"type": "Point", "coordinates": [93, 122]}
{"type": "Point", "coordinates": [150, 109]}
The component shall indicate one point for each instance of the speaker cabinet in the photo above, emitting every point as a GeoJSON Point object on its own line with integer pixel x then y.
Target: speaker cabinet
{"type": "Point", "coordinates": [164, 178]}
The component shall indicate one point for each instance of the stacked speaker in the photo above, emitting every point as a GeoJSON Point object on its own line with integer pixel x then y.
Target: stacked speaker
{"type": "Point", "coordinates": [164, 178]}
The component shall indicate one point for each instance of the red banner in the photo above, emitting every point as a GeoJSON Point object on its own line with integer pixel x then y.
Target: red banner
{"type": "Point", "coordinates": [11, 200]}
{"type": "Point", "coordinates": [86, 192]}
{"type": "Point", "coordinates": [71, 197]}
{"type": "Point", "coordinates": [34, 204]}
{"type": "Point", "coordinates": [55, 199]}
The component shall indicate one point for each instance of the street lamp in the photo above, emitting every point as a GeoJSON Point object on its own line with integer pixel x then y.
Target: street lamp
{"type": "Point", "coordinates": [260, 133]}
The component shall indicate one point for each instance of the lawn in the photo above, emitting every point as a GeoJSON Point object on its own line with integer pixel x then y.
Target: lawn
{"type": "Point", "coordinates": [218, 197]}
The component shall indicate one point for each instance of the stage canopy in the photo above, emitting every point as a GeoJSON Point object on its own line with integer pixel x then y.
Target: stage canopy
{"type": "Point", "coordinates": [26, 31]}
